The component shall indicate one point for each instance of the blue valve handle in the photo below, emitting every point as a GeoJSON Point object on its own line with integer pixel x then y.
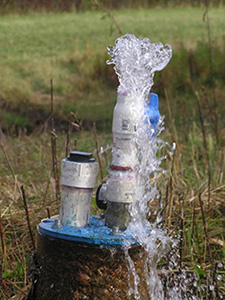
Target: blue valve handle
{"type": "Point", "coordinates": [153, 112]}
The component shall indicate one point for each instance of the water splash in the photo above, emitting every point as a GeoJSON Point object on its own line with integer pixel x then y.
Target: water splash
{"type": "Point", "coordinates": [136, 60]}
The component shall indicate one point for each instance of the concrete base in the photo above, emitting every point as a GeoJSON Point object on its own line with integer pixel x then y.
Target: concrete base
{"type": "Point", "coordinates": [68, 270]}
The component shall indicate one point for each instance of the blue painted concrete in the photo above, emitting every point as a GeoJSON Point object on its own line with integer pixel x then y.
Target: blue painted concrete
{"type": "Point", "coordinates": [96, 233]}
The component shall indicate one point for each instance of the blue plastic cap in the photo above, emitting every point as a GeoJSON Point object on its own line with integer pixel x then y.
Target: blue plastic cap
{"type": "Point", "coordinates": [154, 101]}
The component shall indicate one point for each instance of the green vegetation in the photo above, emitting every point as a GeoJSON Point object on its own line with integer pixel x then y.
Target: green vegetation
{"type": "Point", "coordinates": [29, 6]}
{"type": "Point", "coordinates": [70, 48]}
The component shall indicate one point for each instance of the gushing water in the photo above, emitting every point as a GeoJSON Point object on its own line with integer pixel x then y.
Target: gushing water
{"type": "Point", "coordinates": [136, 60]}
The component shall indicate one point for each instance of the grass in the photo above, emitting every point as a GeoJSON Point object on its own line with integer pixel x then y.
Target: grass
{"type": "Point", "coordinates": [30, 166]}
{"type": "Point", "coordinates": [71, 49]}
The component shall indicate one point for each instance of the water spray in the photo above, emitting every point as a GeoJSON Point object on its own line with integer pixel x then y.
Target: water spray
{"type": "Point", "coordinates": [135, 62]}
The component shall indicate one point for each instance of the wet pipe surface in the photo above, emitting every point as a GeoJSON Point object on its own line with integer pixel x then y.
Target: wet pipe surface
{"type": "Point", "coordinates": [70, 270]}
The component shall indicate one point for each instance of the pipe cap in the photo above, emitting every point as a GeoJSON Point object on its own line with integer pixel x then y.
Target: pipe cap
{"type": "Point", "coordinates": [83, 157]}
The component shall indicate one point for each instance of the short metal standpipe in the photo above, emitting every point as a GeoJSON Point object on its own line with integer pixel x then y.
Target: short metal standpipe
{"type": "Point", "coordinates": [78, 178]}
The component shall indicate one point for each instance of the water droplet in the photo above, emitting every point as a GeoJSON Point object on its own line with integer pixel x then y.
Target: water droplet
{"type": "Point", "coordinates": [219, 277]}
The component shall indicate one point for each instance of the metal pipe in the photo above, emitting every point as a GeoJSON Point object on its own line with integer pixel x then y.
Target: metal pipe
{"type": "Point", "coordinates": [78, 178]}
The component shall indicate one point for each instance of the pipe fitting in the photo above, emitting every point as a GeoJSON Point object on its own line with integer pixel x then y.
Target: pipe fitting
{"type": "Point", "coordinates": [101, 196]}
{"type": "Point", "coordinates": [78, 178]}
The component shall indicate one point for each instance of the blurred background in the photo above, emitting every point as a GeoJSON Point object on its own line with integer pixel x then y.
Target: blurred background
{"type": "Point", "coordinates": [53, 66]}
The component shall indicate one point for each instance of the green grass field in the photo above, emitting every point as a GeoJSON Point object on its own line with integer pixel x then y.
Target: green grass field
{"type": "Point", "coordinates": [71, 49]}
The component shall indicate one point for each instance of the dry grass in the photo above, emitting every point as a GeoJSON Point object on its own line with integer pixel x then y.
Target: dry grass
{"type": "Point", "coordinates": [27, 161]}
